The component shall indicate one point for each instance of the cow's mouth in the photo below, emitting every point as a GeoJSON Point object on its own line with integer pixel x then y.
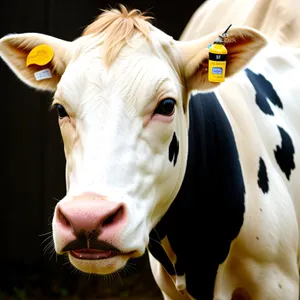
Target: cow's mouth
{"type": "Point", "coordinates": [93, 250]}
{"type": "Point", "coordinates": [94, 254]}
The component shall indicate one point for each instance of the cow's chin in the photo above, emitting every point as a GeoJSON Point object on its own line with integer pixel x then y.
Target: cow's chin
{"type": "Point", "coordinates": [100, 266]}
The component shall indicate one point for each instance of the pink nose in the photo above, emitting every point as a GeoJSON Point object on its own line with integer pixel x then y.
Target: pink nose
{"type": "Point", "coordinates": [97, 216]}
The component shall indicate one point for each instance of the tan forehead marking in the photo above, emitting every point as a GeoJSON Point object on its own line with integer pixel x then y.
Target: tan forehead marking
{"type": "Point", "coordinates": [117, 28]}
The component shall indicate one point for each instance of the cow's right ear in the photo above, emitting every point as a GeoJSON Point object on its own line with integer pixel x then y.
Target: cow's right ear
{"type": "Point", "coordinates": [14, 49]}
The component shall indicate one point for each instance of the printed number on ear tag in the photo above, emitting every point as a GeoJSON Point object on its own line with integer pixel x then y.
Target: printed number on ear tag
{"type": "Point", "coordinates": [43, 74]}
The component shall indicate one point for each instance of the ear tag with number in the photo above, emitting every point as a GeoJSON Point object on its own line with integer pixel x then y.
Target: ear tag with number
{"type": "Point", "coordinates": [217, 59]}
{"type": "Point", "coordinates": [40, 55]}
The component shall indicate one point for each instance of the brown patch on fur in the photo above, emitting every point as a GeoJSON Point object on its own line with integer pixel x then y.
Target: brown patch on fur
{"type": "Point", "coordinates": [118, 26]}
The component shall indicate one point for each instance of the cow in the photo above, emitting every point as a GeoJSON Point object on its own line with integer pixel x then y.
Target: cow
{"type": "Point", "coordinates": [204, 175]}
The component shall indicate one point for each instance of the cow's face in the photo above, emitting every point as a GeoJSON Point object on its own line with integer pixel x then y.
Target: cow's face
{"type": "Point", "coordinates": [125, 136]}
{"type": "Point", "coordinates": [124, 124]}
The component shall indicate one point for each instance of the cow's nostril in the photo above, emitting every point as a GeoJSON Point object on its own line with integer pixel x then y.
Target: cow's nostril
{"type": "Point", "coordinates": [63, 219]}
{"type": "Point", "coordinates": [89, 217]}
{"type": "Point", "coordinates": [115, 217]}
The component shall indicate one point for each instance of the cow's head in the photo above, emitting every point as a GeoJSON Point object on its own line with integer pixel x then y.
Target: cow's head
{"type": "Point", "coordinates": [121, 93]}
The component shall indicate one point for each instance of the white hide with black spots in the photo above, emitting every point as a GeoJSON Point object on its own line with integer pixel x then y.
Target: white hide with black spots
{"type": "Point", "coordinates": [211, 176]}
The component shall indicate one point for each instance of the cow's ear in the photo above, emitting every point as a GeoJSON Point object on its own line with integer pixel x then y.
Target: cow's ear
{"type": "Point", "coordinates": [242, 44]}
{"type": "Point", "coordinates": [14, 50]}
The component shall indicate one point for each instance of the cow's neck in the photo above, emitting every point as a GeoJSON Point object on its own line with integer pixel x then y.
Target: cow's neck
{"type": "Point", "coordinates": [207, 213]}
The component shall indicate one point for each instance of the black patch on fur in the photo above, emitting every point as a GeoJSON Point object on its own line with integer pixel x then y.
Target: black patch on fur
{"type": "Point", "coordinates": [264, 92]}
{"type": "Point", "coordinates": [174, 149]}
{"type": "Point", "coordinates": [208, 211]}
{"type": "Point", "coordinates": [263, 180]}
{"type": "Point", "coordinates": [156, 247]}
{"type": "Point", "coordinates": [284, 154]}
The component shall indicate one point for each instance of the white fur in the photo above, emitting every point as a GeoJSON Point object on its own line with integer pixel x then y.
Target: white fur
{"type": "Point", "coordinates": [116, 148]}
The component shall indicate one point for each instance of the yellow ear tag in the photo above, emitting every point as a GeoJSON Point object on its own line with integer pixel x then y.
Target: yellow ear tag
{"type": "Point", "coordinates": [40, 55]}
{"type": "Point", "coordinates": [217, 59]}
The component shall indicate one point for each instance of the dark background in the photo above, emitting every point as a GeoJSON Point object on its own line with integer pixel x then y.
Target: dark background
{"type": "Point", "coordinates": [32, 168]}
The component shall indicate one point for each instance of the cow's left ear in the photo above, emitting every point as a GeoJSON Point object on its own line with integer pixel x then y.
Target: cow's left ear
{"type": "Point", "coordinates": [242, 44]}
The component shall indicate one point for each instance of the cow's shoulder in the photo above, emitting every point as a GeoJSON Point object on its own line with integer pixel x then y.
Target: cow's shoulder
{"type": "Point", "coordinates": [263, 105]}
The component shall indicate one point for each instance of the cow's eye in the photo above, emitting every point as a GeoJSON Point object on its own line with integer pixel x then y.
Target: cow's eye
{"type": "Point", "coordinates": [166, 107]}
{"type": "Point", "coordinates": [61, 112]}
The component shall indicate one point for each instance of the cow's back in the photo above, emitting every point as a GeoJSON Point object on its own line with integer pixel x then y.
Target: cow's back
{"type": "Point", "coordinates": [279, 20]}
